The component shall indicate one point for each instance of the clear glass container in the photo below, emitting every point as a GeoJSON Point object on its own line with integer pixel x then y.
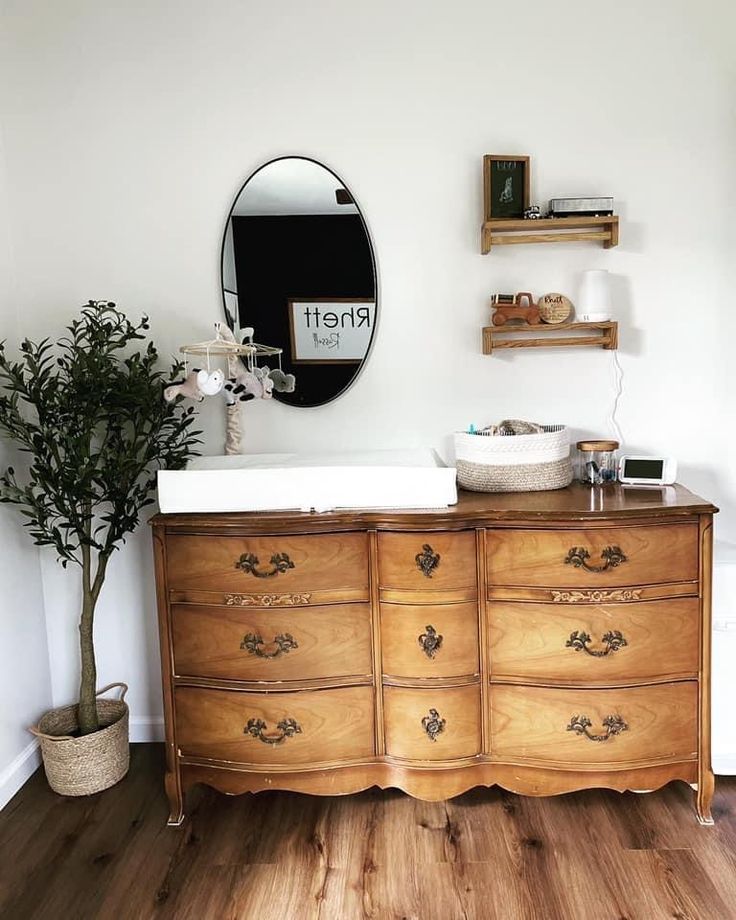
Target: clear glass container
{"type": "Point", "coordinates": [595, 464]}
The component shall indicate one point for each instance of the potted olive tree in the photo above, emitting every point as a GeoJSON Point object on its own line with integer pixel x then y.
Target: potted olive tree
{"type": "Point", "coordinates": [89, 412]}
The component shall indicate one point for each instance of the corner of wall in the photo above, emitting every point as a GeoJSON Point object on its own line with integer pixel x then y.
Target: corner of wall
{"type": "Point", "coordinates": [25, 673]}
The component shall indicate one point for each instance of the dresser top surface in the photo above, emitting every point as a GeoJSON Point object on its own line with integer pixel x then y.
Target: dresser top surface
{"type": "Point", "coordinates": [575, 503]}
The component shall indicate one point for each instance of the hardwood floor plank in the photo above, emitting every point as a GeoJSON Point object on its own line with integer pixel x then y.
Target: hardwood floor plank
{"type": "Point", "coordinates": [693, 893]}
{"type": "Point", "coordinates": [486, 855]}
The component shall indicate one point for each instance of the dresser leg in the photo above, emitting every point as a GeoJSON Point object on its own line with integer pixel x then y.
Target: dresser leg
{"type": "Point", "coordinates": [175, 796]}
{"type": "Point", "coordinates": [704, 796]}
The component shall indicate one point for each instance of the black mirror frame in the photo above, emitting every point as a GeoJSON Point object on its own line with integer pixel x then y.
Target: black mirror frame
{"type": "Point", "coordinates": [230, 320]}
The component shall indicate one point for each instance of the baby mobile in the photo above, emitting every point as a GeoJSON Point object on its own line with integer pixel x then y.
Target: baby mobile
{"type": "Point", "coordinates": [245, 380]}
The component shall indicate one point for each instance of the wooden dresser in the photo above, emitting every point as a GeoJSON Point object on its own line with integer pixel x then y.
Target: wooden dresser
{"type": "Point", "coordinates": [544, 642]}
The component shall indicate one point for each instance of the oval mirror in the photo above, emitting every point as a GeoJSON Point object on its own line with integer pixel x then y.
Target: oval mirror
{"type": "Point", "coordinates": [298, 267]}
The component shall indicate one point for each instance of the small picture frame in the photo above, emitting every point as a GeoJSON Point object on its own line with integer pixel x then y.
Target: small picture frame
{"type": "Point", "coordinates": [505, 186]}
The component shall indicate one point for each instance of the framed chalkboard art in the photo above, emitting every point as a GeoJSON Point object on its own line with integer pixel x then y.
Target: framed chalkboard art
{"type": "Point", "coordinates": [505, 186]}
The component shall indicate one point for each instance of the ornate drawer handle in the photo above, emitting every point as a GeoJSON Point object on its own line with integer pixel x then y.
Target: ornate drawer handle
{"type": "Point", "coordinates": [613, 556]}
{"type": "Point", "coordinates": [286, 727]}
{"type": "Point", "coordinates": [428, 560]}
{"type": "Point", "coordinates": [433, 724]}
{"type": "Point", "coordinates": [614, 725]}
{"type": "Point", "coordinates": [266, 600]}
{"type": "Point", "coordinates": [248, 563]}
{"type": "Point", "coordinates": [613, 641]}
{"type": "Point", "coordinates": [284, 643]}
{"type": "Point", "coordinates": [430, 642]}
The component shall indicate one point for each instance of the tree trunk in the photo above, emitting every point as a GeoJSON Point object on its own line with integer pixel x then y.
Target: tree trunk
{"type": "Point", "coordinates": [88, 721]}
{"type": "Point", "coordinates": [88, 686]}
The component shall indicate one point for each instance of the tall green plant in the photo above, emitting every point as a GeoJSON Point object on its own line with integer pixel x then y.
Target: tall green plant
{"type": "Point", "coordinates": [90, 412]}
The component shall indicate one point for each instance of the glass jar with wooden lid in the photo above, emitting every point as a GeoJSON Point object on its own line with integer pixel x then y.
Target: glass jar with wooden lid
{"type": "Point", "coordinates": [596, 462]}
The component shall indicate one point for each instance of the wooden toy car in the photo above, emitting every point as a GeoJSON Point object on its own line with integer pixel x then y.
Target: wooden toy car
{"type": "Point", "coordinates": [522, 308]}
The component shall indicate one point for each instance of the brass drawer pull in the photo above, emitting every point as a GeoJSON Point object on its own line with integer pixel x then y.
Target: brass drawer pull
{"type": "Point", "coordinates": [428, 560]}
{"type": "Point", "coordinates": [286, 727]}
{"type": "Point", "coordinates": [248, 563]}
{"type": "Point", "coordinates": [614, 725]}
{"type": "Point", "coordinates": [613, 556]}
{"type": "Point", "coordinates": [430, 642]}
{"type": "Point", "coordinates": [284, 643]}
{"type": "Point", "coordinates": [433, 724]}
{"type": "Point", "coordinates": [613, 641]}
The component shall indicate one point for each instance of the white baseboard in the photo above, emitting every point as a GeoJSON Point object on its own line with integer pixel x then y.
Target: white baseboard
{"type": "Point", "coordinates": [725, 764]}
{"type": "Point", "coordinates": [146, 729]}
{"type": "Point", "coordinates": [16, 774]}
{"type": "Point", "coordinates": [19, 771]}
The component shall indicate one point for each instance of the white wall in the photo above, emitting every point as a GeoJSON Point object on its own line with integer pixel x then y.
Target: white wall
{"type": "Point", "coordinates": [724, 657]}
{"type": "Point", "coordinates": [25, 683]}
{"type": "Point", "coordinates": [25, 680]}
{"type": "Point", "coordinates": [131, 126]}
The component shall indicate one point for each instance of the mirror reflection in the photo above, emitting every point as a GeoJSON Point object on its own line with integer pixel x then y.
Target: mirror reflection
{"type": "Point", "coordinates": [298, 266]}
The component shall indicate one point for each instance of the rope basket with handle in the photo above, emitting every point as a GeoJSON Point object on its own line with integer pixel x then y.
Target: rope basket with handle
{"type": "Point", "coordinates": [525, 461]}
{"type": "Point", "coordinates": [88, 763]}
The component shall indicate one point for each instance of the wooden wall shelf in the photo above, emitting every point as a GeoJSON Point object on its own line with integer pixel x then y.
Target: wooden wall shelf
{"type": "Point", "coordinates": [603, 335]}
{"type": "Point", "coordinates": [510, 231]}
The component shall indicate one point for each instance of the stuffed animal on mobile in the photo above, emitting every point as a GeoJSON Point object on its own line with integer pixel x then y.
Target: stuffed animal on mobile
{"type": "Point", "coordinates": [188, 388]}
{"type": "Point", "coordinates": [246, 386]}
{"type": "Point", "coordinates": [210, 384]}
{"type": "Point", "coordinates": [282, 383]}
{"type": "Point", "coordinates": [263, 374]}
{"type": "Point", "coordinates": [198, 384]}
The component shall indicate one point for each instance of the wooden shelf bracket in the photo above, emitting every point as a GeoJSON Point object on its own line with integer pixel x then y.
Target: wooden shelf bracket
{"type": "Point", "coordinates": [512, 231]}
{"type": "Point", "coordinates": [602, 335]}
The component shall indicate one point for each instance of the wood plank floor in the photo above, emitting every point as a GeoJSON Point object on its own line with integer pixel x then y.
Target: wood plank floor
{"type": "Point", "coordinates": [282, 856]}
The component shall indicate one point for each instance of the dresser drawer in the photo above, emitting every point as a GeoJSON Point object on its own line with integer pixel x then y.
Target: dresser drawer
{"type": "Point", "coordinates": [430, 640]}
{"type": "Point", "coordinates": [279, 644]}
{"type": "Point", "coordinates": [584, 728]}
{"type": "Point", "coordinates": [656, 554]}
{"type": "Point", "coordinates": [333, 563]}
{"type": "Point", "coordinates": [600, 644]}
{"type": "Point", "coordinates": [427, 561]}
{"type": "Point", "coordinates": [308, 726]}
{"type": "Point", "coordinates": [436, 724]}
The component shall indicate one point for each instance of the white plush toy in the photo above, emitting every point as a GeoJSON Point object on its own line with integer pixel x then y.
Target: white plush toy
{"type": "Point", "coordinates": [198, 384]}
{"type": "Point", "coordinates": [210, 384]}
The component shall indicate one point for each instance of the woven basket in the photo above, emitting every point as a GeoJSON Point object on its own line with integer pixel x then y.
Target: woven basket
{"type": "Point", "coordinates": [515, 463]}
{"type": "Point", "coordinates": [90, 763]}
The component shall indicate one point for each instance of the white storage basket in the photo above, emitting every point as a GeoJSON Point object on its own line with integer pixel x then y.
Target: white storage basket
{"type": "Point", "coordinates": [514, 463]}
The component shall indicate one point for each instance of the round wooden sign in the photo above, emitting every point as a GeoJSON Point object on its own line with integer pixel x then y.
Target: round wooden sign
{"type": "Point", "coordinates": [554, 308]}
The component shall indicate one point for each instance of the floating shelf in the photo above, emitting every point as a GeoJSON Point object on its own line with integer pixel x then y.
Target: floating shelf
{"type": "Point", "coordinates": [603, 335]}
{"type": "Point", "coordinates": [509, 231]}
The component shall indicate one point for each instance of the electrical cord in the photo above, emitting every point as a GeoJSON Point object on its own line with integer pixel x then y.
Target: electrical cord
{"type": "Point", "coordinates": [618, 386]}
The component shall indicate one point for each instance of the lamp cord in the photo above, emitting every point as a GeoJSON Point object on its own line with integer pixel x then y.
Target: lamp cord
{"type": "Point", "coordinates": [618, 386]}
